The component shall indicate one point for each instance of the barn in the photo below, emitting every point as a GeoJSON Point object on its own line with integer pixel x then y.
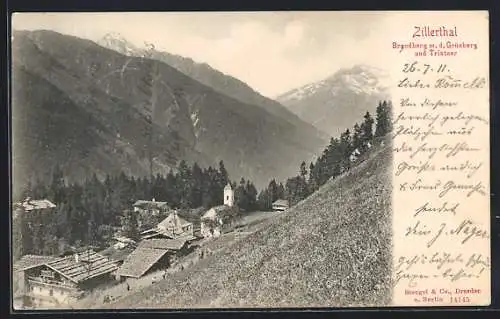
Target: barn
{"type": "Point", "coordinates": [153, 254]}
{"type": "Point", "coordinates": [55, 282]}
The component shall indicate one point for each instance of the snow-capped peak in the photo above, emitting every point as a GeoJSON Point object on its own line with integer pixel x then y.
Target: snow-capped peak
{"type": "Point", "coordinates": [358, 79]}
{"type": "Point", "coordinates": [117, 42]}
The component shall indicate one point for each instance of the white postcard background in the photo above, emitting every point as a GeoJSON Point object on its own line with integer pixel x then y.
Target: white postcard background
{"type": "Point", "coordinates": [441, 253]}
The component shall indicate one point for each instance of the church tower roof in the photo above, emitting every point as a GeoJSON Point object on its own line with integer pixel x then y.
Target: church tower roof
{"type": "Point", "coordinates": [228, 186]}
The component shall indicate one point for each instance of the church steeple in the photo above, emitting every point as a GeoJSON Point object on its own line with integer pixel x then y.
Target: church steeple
{"type": "Point", "coordinates": [228, 195]}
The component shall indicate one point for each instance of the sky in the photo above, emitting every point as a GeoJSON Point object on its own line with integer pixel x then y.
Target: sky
{"type": "Point", "coordinates": [273, 52]}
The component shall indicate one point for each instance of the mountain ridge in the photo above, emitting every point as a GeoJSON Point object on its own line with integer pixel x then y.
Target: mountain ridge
{"type": "Point", "coordinates": [190, 120]}
{"type": "Point", "coordinates": [338, 101]}
{"type": "Point", "coordinates": [209, 76]}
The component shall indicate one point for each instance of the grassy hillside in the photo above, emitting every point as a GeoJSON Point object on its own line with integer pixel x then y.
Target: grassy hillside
{"type": "Point", "coordinates": [331, 250]}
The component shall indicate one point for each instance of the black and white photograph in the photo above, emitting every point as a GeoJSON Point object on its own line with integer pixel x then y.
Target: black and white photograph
{"type": "Point", "coordinates": [176, 160]}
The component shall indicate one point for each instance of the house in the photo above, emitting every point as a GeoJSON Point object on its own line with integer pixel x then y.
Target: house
{"type": "Point", "coordinates": [18, 278]}
{"type": "Point", "coordinates": [172, 227]}
{"type": "Point", "coordinates": [218, 220]}
{"type": "Point", "coordinates": [35, 215]}
{"type": "Point", "coordinates": [61, 281]}
{"type": "Point", "coordinates": [221, 218]}
{"type": "Point", "coordinates": [176, 225]}
{"type": "Point", "coordinates": [150, 207]}
{"type": "Point", "coordinates": [34, 205]}
{"type": "Point", "coordinates": [153, 254]}
{"type": "Point", "coordinates": [123, 242]}
{"type": "Point", "coordinates": [280, 205]}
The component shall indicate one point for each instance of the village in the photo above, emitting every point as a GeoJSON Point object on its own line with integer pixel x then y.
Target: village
{"type": "Point", "coordinates": [86, 276]}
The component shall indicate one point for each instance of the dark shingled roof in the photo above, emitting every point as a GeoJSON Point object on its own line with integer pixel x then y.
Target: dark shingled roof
{"type": "Point", "coordinates": [166, 244]}
{"type": "Point", "coordinates": [140, 261]}
{"type": "Point", "coordinates": [146, 204]}
{"type": "Point", "coordinates": [34, 204]}
{"type": "Point", "coordinates": [30, 261]}
{"type": "Point", "coordinates": [282, 202]}
{"type": "Point", "coordinates": [90, 265]}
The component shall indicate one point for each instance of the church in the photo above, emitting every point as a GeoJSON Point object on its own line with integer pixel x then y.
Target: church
{"type": "Point", "coordinates": [220, 219]}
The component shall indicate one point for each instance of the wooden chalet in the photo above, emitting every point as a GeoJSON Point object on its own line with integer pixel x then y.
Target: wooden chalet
{"type": "Point", "coordinates": [26, 262]}
{"type": "Point", "coordinates": [152, 207]}
{"type": "Point", "coordinates": [280, 205]}
{"type": "Point", "coordinates": [56, 282]}
{"type": "Point", "coordinates": [171, 227]}
{"type": "Point", "coordinates": [154, 254]}
{"type": "Point", "coordinates": [29, 208]}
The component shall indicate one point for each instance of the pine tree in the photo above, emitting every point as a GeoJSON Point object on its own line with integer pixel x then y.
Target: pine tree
{"type": "Point", "coordinates": [264, 200]}
{"type": "Point", "coordinates": [251, 193]}
{"type": "Point", "coordinates": [273, 190]}
{"type": "Point", "coordinates": [173, 191]}
{"type": "Point", "coordinates": [357, 137]}
{"type": "Point", "coordinates": [184, 173]}
{"type": "Point", "coordinates": [281, 191]}
{"type": "Point", "coordinates": [383, 119]}
{"type": "Point", "coordinates": [240, 195]}
{"type": "Point", "coordinates": [224, 176]}
{"type": "Point", "coordinates": [388, 112]}
{"type": "Point", "coordinates": [303, 189]}
{"type": "Point", "coordinates": [332, 158]}
{"type": "Point", "coordinates": [196, 186]}
{"type": "Point", "coordinates": [367, 129]}
{"type": "Point", "coordinates": [57, 186]}
{"type": "Point", "coordinates": [345, 149]}
{"type": "Point", "coordinates": [312, 181]}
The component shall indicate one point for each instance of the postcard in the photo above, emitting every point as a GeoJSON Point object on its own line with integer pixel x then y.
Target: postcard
{"type": "Point", "coordinates": [212, 160]}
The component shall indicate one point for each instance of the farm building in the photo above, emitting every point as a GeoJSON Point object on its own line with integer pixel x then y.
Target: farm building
{"type": "Point", "coordinates": [30, 216]}
{"type": "Point", "coordinates": [53, 282]}
{"type": "Point", "coordinates": [26, 262]}
{"type": "Point", "coordinates": [171, 227]}
{"type": "Point", "coordinates": [122, 242]}
{"type": "Point", "coordinates": [151, 207]}
{"type": "Point", "coordinates": [153, 254]}
{"type": "Point", "coordinates": [280, 205]}
{"type": "Point", "coordinates": [34, 205]}
{"type": "Point", "coordinates": [217, 220]}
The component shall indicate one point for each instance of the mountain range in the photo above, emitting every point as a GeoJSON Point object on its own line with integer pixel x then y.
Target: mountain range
{"type": "Point", "coordinates": [210, 77]}
{"type": "Point", "coordinates": [91, 109]}
{"type": "Point", "coordinates": [339, 101]}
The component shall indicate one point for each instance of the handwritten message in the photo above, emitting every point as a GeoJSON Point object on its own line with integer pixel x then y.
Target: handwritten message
{"type": "Point", "coordinates": [441, 162]}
